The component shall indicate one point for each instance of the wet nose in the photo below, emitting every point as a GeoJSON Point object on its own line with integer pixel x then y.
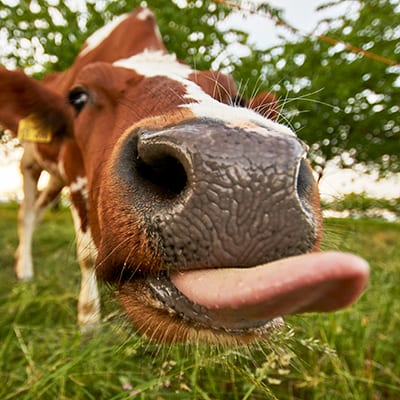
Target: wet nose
{"type": "Point", "coordinates": [217, 195]}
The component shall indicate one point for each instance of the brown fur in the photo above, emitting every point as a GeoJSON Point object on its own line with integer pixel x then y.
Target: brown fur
{"type": "Point", "coordinates": [86, 144]}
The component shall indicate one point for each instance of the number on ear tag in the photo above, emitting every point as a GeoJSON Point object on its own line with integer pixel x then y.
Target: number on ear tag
{"type": "Point", "coordinates": [30, 130]}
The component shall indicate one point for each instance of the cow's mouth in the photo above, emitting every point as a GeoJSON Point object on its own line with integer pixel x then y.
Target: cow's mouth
{"type": "Point", "coordinates": [248, 301]}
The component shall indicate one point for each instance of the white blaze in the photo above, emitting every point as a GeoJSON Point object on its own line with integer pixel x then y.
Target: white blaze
{"type": "Point", "coordinates": [151, 64]}
{"type": "Point", "coordinates": [155, 63]}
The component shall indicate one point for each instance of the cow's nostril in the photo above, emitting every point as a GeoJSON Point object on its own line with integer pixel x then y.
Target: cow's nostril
{"type": "Point", "coordinates": [164, 171]}
{"type": "Point", "coordinates": [305, 184]}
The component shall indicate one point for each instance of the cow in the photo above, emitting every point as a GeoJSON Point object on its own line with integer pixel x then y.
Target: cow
{"type": "Point", "coordinates": [17, 91]}
{"type": "Point", "coordinates": [204, 214]}
{"type": "Point", "coordinates": [43, 150]}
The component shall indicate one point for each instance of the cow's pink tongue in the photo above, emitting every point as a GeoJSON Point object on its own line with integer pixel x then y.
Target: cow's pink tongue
{"type": "Point", "coordinates": [311, 282]}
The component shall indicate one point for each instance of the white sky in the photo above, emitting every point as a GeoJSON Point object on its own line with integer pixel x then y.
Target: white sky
{"type": "Point", "coordinates": [301, 14]}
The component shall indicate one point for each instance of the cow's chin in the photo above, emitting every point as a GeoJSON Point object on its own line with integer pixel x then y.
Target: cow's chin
{"type": "Point", "coordinates": [160, 322]}
{"type": "Point", "coordinates": [240, 305]}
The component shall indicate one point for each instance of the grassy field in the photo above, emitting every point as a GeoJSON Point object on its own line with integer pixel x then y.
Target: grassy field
{"type": "Point", "coordinates": [347, 355]}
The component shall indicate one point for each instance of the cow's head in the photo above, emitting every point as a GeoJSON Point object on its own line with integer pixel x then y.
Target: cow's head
{"type": "Point", "coordinates": [204, 215]}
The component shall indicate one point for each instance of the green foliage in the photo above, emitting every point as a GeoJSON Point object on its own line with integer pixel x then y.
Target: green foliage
{"type": "Point", "coordinates": [348, 354]}
{"type": "Point", "coordinates": [40, 32]}
{"type": "Point", "coordinates": [51, 32]}
{"type": "Point", "coordinates": [363, 205]}
{"type": "Point", "coordinates": [344, 105]}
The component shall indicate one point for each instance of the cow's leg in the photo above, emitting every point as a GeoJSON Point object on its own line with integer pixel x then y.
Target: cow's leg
{"type": "Point", "coordinates": [48, 195]}
{"type": "Point", "coordinates": [31, 210]}
{"type": "Point", "coordinates": [30, 171]}
{"type": "Point", "coordinates": [89, 299]}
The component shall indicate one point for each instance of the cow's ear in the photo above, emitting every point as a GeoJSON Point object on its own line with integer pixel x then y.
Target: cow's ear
{"type": "Point", "coordinates": [30, 110]}
{"type": "Point", "coordinates": [216, 84]}
{"type": "Point", "coordinates": [266, 104]}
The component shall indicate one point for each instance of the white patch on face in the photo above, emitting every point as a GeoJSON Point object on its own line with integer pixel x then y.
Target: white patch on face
{"type": "Point", "coordinates": [151, 64]}
{"type": "Point", "coordinates": [237, 117]}
{"type": "Point", "coordinates": [155, 63]}
{"type": "Point", "coordinates": [79, 185]}
{"type": "Point", "coordinates": [97, 37]}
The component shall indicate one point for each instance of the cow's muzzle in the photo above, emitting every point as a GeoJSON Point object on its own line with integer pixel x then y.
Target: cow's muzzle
{"type": "Point", "coordinates": [221, 208]}
{"type": "Point", "coordinates": [218, 195]}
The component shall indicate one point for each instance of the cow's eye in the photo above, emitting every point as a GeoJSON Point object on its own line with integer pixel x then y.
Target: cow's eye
{"type": "Point", "coordinates": [78, 98]}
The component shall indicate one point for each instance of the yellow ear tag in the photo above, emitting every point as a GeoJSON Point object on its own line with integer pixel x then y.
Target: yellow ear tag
{"type": "Point", "coordinates": [29, 129]}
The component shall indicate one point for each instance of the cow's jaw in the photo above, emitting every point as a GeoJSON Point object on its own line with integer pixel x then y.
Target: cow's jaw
{"type": "Point", "coordinates": [243, 304]}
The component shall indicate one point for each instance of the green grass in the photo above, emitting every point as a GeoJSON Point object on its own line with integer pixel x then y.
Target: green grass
{"type": "Point", "coordinates": [347, 355]}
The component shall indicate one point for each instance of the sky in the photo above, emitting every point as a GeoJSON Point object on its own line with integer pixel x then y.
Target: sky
{"type": "Point", "coordinates": [300, 14]}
